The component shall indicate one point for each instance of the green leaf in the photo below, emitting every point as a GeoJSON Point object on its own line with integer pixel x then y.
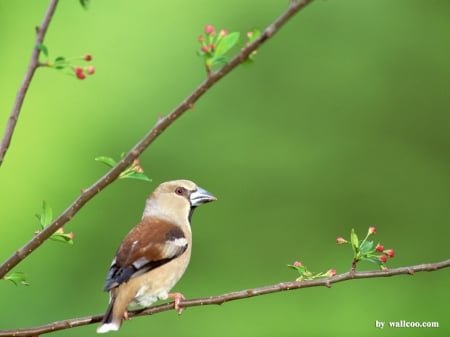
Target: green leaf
{"type": "Point", "coordinates": [366, 247]}
{"type": "Point", "coordinates": [60, 62]}
{"type": "Point", "coordinates": [17, 278]}
{"type": "Point", "coordinates": [47, 214]}
{"type": "Point", "coordinates": [372, 259]}
{"type": "Point", "coordinates": [42, 48]}
{"type": "Point", "coordinates": [218, 60]}
{"type": "Point", "coordinates": [354, 239]}
{"type": "Point", "coordinates": [106, 160]}
{"type": "Point", "coordinates": [85, 3]}
{"type": "Point", "coordinates": [135, 175]}
{"type": "Point", "coordinates": [256, 33]}
{"type": "Point", "coordinates": [61, 237]}
{"type": "Point", "coordinates": [301, 269]}
{"type": "Point", "coordinates": [226, 43]}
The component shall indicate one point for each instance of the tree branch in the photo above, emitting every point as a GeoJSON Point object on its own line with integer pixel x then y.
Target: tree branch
{"type": "Point", "coordinates": [162, 124]}
{"type": "Point", "coordinates": [238, 295]}
{"type": "Point", "coordinates": [33, 65]}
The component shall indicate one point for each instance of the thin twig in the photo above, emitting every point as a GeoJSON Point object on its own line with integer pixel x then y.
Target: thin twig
{"type": "Point", "coordinates": [33, 65]}
{"type": "Point", "coordinates": [238, 295]}
{"type": "Point", "coordinates": [162, 124]}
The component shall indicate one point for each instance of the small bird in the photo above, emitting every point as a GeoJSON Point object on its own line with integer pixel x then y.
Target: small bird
{"type": "Point", "coordinates": [155, 253]}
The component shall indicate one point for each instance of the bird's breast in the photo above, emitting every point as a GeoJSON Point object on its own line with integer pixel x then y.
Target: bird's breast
{"type": "Point", "coordinates": [156, 284]}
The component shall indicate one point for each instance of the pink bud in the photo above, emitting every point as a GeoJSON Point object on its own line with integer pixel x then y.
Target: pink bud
{"type": "Point", "coordinates": [372, 230]}
{"type": "Point", "coordinates": [379, 248]}
{"type": "Point", "coordinates": [204, 49]}
{"type": "Point", "coordinates": [223, 32]}
{"type": "Point", "coordinates": [79, 73]}
{"type": "Point", "coordinates": [209, 30]}
{"type": "Point", "coordinates": [91, 70]}
{"type": "Point", "coordinates": [389, 252]}
{"type": "Point", "coordinates": [201, 38]}
{"type": "Point", "coordinates": [331, 272]}
{"type": "Point", "coordinates": [88, 57]}
{"type": "Point", "coordinates": [297, 264]}
{"type": "Point", "coordinates": [340, 240]}
{"type": "Point", "coordinates": [383, 258]}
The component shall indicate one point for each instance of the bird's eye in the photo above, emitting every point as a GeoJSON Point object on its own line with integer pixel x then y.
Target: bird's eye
{"type": "Point", "coordinates": [180, 190]}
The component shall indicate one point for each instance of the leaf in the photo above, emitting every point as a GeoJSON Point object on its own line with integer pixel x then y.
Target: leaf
{"type": "Point", "coordinates": [60, 62]}
{"type": "Point", "coordinates": [226, 43]}
{"type": "Point", "coordinates": [85, 3]}
{"type": "Point", "coordinates": [17, 278]}
{"type": "Point", "coordinates": [42, 48]}
{"type": "Point", "coordinates": [366, 247]}
{"type": "Point", "coordinates": [354, 239]}
{"type": "Point", "coordinates": [372, 259]}
{"type": "Point", "coordinates": [106, 160]}
{"type": "Point", "coordinates": [218, 60]}
{"type": "Point", "coordinates": [255, 33]}
{"type": "Point", "coordinates": [61, 237]}
{"type": "Point", "coordinates": [301, 269]}
{"type": "Point", "coordinates": [136, 175]}
{"type": "Point", "coordinates": [47, 214]}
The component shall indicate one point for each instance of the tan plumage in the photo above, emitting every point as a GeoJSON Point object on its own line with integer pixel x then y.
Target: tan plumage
{"type": "Point", "coordinates": [155, 253]}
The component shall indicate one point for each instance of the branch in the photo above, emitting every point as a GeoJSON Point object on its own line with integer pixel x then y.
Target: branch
{"type": "Point", "coordinates": [34, 64]}
{"type": "Point", "coordinates": [161, 125]}
{"type": "Point", "coordinates": [238, 295]}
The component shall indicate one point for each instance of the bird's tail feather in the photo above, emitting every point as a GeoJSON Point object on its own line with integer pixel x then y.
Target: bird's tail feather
{"type": "Point", "coordinates": [109, 323]}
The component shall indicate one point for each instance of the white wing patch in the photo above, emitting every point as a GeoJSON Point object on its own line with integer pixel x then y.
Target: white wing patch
{"type": "Point", "coordinates": [173, 247]}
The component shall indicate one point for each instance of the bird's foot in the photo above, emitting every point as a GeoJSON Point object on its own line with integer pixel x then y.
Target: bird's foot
{"type": "Point", "coordinates": [177, 297]}
{"type": "Point", "coordinates": [125, 315]}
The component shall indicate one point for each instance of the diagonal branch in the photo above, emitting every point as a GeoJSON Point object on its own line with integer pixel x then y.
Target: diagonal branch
{"type": "Point", "coordinates": [158, 128]}
{"type": "Point", "coordinates": [238, 295]}
{"type": "Point", "coordinates": [33, 65]}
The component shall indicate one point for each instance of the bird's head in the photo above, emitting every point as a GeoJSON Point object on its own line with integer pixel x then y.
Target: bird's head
{"type": "Point", "coordinates": [176, 200]}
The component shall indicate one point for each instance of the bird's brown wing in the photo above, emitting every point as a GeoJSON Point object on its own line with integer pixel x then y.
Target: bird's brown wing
{"type": "Point", "coordinates": [152, 243]}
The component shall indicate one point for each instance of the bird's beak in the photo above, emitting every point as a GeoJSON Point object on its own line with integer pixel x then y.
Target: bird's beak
{"type": "Point", "coordinates": [201, 196]}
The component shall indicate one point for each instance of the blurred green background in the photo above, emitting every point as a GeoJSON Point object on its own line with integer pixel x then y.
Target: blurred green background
{"type": "Point", "coordinates": [343, 122]}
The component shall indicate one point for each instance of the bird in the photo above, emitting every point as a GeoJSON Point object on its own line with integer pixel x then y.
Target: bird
{"type": "Point", "coordinates": [155, 253]}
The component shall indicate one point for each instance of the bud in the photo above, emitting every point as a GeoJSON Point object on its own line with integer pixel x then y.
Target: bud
{"type": "Point", "coordinates": [201, 38]}
{"type": "Point", "coordinates": [389, 252]}
{"type": "Point", "coordinates": [88, 57]}
{"type": "Point", "coordinates": [223, 32]}
{"type": "Point", "coordinates": [383, 258]}
{"type": "Point", "coordinates": [297, 264]}
{"type": "Point", "coordinates": [340, 240]}
{"type": "Point", "coordinates": [91, 70]}
{"type": "Point", "coordinates": [79, 73]}
{"type": "Point", "coordinates": [372, 230]}
{"type": "Point", "coordinates": [204, 49]}
{"type": "Point", "coordinates": [209, 30]}
{"type": "Point", "coordinates": [379, 248]}
{"type": "Point", "coordinates": [331, 272]}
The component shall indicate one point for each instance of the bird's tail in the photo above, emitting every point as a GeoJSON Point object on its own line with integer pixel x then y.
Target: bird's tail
{"type": "Point", "coordinates": [109, 322]}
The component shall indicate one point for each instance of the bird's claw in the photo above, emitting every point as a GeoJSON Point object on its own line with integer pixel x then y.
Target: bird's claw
{"type": "Point", "coordinates": [177, 298]}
